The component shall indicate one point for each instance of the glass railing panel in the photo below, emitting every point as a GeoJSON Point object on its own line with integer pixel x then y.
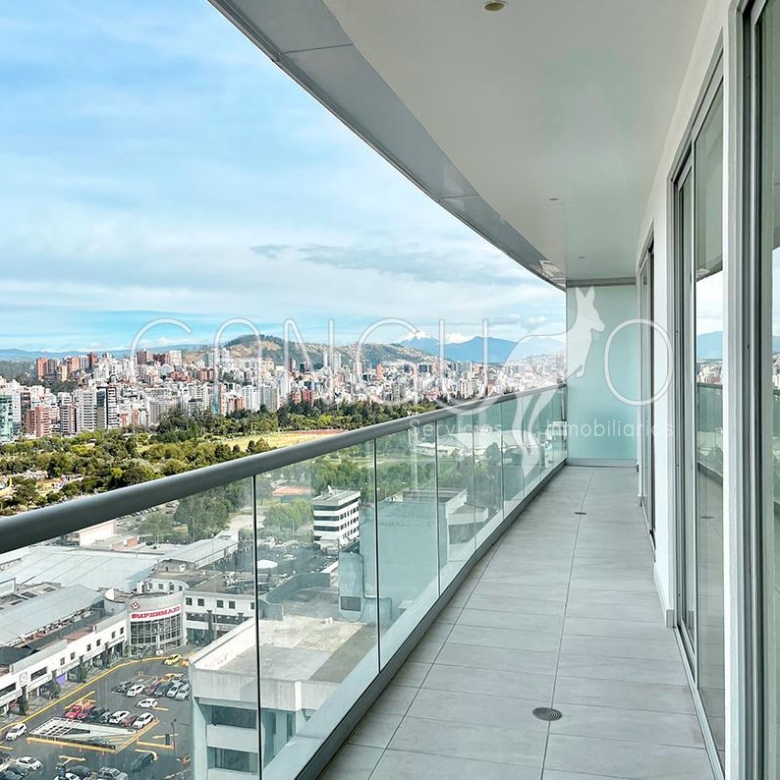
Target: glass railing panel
{"type": "Point", "coordinates": [317, 600]}
{"type": "Point", "coordinates": [516, 453]}
{"type": "Point", "coordinates": [459, 516]}
{"type": "Point", "coordinates": [558, 431]}
{"type": "Point", "coordinates": [488, 469]}
{"type": "Point", "coordinates": [408, 547]}
{"type": "Point", "coordinates": [534, 426]}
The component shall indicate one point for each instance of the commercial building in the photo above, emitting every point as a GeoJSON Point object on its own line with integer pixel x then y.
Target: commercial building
{"type": "Point", "coordinates": [47, 633]}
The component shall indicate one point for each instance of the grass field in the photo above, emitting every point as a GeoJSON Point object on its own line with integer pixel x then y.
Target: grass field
{"type": "Point", "coordinates": [280, 439]}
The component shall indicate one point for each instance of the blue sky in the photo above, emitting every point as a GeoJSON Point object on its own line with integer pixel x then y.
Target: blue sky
{"type": "Point", "coordinates": [156, 164]}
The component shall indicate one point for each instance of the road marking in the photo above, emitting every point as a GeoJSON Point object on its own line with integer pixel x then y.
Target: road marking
{"type": "Point", "coordinates": [162, 736]}
{"type": "Point", "coordinates": [4, 747]}
{"type": "Point", "coordinates": [153, 745]}
{"type": "Point", "coordinates": [161, 709]}
{"type": "Point", "coordinates": [66, 759]}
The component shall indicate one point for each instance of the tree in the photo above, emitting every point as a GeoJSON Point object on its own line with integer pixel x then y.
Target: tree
{"type": "Point", "coordinates": [205, 515]}
{"type": "Point", "coordinates": [158, 525]}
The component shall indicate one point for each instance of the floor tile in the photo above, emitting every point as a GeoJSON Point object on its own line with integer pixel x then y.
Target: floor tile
{"type": "Point", "coordinates": [375, 730]}
{"type": "Point", "coordinates": [536, 687]}
{"type": "Point", "coordinates": [627, 669]}
{"type": "Point", "coordinates": [354, 762]}
{"type": "Point", "coordinates": [483, 743]}
{"type": "Point", "coordinates": [513, 620]}
{"type": "Point", "coordinates": [658, 728]}
{"type": "Point", "coordinates": [500, 658]}
{"type": "Point", "coordinates": [636, 760]}
{"type": "Point", "coordinates": [625, 695]}
{"type": "Point", "coordinates": [480, 709]}
{"type": "Point", "coordinates": [504, 637]}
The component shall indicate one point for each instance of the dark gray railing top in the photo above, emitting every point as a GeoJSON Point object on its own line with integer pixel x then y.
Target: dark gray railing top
{"type": "Point", "coordinates": [40, 525]}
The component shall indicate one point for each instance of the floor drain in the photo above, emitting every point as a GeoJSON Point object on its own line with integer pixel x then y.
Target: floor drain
{"type": "Point", "coordinates": [580, 513]}
{"type": "Point", "coordinates": [547, 713]}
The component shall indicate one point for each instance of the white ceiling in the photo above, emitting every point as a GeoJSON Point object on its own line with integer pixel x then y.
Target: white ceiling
{"type": "Point", "coordinates": [567, 99]}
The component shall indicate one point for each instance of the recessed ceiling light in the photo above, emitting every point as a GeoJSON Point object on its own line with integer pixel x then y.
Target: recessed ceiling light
{"type": "Point", "coordinates": [495, 5]}
{"type": "Point", "coordinates": [581, 257]}
{"type": "Point", "coordinates": [553, 199]}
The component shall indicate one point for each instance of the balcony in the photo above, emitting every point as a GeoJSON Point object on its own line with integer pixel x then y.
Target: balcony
{"type": "Point", "coordinates": [311, 574]}
{"type": "Point", "coordinates": [561, 612]}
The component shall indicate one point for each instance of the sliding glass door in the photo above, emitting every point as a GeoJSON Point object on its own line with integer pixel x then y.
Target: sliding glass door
{"type": "Point", "coordinates": [700, 314]}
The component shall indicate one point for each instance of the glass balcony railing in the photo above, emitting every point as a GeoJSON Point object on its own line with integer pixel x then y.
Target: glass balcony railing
{"type": "Point", "coordinates": [255, 602]}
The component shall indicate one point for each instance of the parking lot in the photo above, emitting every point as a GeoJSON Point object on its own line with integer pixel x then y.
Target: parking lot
{"type": "Point", "coordinates": [49, 736]}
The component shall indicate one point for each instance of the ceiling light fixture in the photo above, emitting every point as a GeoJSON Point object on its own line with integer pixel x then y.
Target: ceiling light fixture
{"type": "Point", "coordinates": [495, 5]}
{"type": "Point", "coordinates": [552, 200]}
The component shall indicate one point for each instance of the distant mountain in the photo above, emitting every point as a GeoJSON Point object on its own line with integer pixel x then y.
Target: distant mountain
{"type": "Point", "coordinates": [23, 355]}
{"type": "Point", "coordinates": [498, 350]}
{"type": "Point", "coordinates": [421, 348]}
{"type": "Point", "coordinates": [371, 354]}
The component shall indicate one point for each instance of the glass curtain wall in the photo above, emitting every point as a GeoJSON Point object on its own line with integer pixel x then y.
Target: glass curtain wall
{"type": "Point", "coordinates": [700, 273]}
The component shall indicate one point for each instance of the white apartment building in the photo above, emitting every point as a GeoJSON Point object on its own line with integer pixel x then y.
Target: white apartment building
{"type": "Point", "coordinates": [336, 517]}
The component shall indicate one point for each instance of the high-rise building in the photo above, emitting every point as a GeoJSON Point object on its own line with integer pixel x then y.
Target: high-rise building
{"type": "Point", "coordinates": [6, 419]}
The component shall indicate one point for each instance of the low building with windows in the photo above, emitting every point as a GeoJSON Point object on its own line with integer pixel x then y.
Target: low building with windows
{"type": "Point", "coordinates": [48, 634]}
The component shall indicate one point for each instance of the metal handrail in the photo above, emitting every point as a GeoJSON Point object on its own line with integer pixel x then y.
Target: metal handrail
{"type": "Point", "coordinates": [40, 525]}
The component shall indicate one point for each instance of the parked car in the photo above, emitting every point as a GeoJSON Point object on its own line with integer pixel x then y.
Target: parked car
{"type": "Point", "coordinates": [110, 773]}
{"type": "Point", "coordinates": [147, 704]}
{"type": "Point", "coordinates": [30, 763]}
{"type": "Point", "coordinates": [15, 732]}
{"type": "Point", "coordinates": [118, 717]}
{"type": "Point", "coordinates": [73, 712]}
{"type": "Point", "coordinates": [174, 659]}
{"type": "Point", "coordinates": [173, 690]}
{"type": "Point", "coordinates": [81, 772]}
{"type": "Point", "coordinates": [86, 711]}
{"type": "Point", "coordinates": [128, 720]}
{"type": "Point", "coordinates": [149, 688]}
{"type": "Point", "coordinates": [163, 688]}
{"type": "Point", "coordinates": [141, 763]}
{"type": "Point", "coordinates": [144, 719]}
{"type": "Point", "coordinates": [67, 776]}
{"type": "Point", "coordinates": [122, 687]}
{"type": "Point", "coordinates": [97, 714]}
{"type": "Point", "coordinates": [134, 690]}
{"type": "Point", "coordinates": [183, 693]}
{"type": "Point", "coordinates": [9, 774]}
{"type": "Point", "coordinates": [105, 717]}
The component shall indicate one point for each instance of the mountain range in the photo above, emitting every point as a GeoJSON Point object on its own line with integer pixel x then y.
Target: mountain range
{"type": "Point", "coordinates": [419, 348]}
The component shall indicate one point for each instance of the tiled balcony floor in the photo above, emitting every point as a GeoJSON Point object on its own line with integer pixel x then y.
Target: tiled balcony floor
{"type": "Point", "coordinates": [562, 611]}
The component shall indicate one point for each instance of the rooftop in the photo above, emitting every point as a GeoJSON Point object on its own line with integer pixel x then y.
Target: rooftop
{"type": "Point", "coordinates": [77, 566]}
{"type": "Point", "coordinates": [27, 618]}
